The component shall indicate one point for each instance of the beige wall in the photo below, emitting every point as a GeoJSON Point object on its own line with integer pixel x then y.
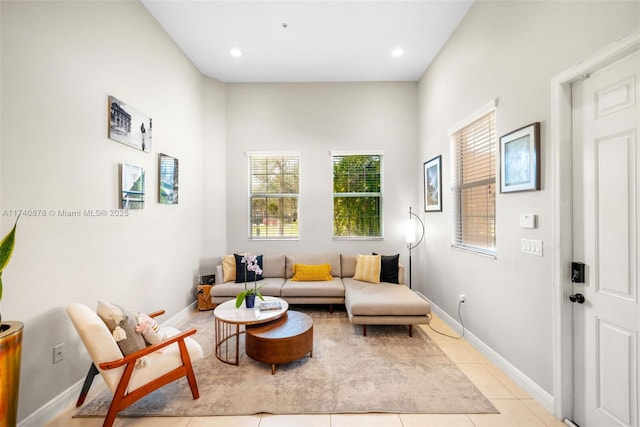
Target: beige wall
{"type": "Point", "coordinates": [60, 61]}
{"type": "Point", "coordinates": [313, 119]}
{"type": "Point", "coordinates": [508, 50]}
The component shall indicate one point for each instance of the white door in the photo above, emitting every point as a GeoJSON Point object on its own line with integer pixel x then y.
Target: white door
{"type": "Point", "coordinates": [606, 170]}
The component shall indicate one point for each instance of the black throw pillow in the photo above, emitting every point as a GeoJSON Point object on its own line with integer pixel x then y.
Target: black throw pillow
{"type": "Point", "coordinates": [241, 269]}
{"type": "Point", "coordinates": [389, 268]}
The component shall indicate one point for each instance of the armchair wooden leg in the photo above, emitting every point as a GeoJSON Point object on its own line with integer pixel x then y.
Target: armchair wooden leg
{"type": "Point", "coordinates": [93, 371]}
{"type": "Point", "coordinates": [364, 330]}
{"type": "Point", "coordinates": [191, 377]}
{"type": "Point", "coordinates": [111, 416]}
{"type": "Point", "coordinates": [330, 308]}
{"type": "Point", "coordinates": [410, 330]}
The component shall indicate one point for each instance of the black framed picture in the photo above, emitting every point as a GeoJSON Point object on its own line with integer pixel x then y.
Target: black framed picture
{"type": "Point", "coordinates": [433, 185]}
{"type": "Point", "coordinates": [520, 159]}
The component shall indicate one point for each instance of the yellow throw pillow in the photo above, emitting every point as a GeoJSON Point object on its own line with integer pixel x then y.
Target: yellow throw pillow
{"type": "Point", "coordinates": [368, 268]}
{"type": "Point", "coordinates": [311, 273]}
{"type": "Point", "coordinates": [228, 268]}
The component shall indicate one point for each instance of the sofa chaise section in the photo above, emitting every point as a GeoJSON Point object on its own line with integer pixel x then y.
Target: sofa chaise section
{"type": "Point", "coordinates": [384, 304]}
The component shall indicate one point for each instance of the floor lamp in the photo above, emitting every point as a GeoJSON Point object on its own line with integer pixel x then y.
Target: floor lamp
{"type": "Point", "coordinates": [412, 242]}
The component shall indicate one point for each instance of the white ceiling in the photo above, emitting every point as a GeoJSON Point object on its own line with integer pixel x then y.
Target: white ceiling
{"type": "Point", "coordinates": [323, 40]}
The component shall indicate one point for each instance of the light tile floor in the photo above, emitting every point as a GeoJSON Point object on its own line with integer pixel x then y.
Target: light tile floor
{"type": "Point", "coordinates": [515, 406]}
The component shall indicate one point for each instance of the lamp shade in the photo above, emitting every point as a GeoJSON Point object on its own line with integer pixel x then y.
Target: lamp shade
{"type": "Point", "coordinates": [414, 230]}
{"type": "Point", "coordinates": [410, 231]}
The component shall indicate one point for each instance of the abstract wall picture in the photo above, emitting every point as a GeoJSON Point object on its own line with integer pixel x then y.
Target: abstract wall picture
{"type": "Point", "coordinates": [168, 180]}
{"type": "Point", "coordinates": [520, 159]}
{"type": "Point", "coordinates": [132, 186]}
{"type": "Point", "coordinates": [129, 126]}
{"type": "Point", "coordinates": [433, 185]}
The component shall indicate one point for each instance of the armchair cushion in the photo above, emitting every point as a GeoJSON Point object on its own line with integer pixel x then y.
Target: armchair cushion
{"type": "Point", "coordinates": [122, 324]}
{"type": "Point", "coordinates": [98, 341]}
{"type": "Point", "coordinates": [150, 329]}
{"type": "Point", "coordinates": [164, 360]}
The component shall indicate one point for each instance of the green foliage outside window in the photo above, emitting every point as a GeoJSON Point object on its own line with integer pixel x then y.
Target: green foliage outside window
{"type": "Point", "coordinates": [357, 196]}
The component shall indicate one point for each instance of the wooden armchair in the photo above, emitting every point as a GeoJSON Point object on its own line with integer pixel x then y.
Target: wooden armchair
{"type": "Point", "coordinates": [127, 383]}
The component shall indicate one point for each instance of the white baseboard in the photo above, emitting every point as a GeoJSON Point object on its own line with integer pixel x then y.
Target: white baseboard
{"type": "Point", "coordinates": [527, 384]}
{"type": "Point", "coordinates": [67, 399]}
{"type": "Point", "coordinates": [180, 316]}
{"type": "Point", "coordinates": [54, 407]}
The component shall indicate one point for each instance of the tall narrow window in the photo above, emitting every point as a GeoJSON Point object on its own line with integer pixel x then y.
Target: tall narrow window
{"type": "Point", "coordinates": [473, 180]}
{"type": "Point", "coordinates": [273, 196]}
{"type": "Point", "coordinates": [357, 195]}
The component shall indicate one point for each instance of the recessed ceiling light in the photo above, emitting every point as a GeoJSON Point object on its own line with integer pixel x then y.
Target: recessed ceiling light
{"type": "Point", "coordinates": [235, 52]}
{"type": "Point", "coordinates": [397, 52]}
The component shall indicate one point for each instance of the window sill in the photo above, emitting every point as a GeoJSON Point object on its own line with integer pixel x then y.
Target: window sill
{"type": "Point", "coordinates": [356, 238]}
{"type": "Point", "coordinates": [485, 253]}
{"type": "Point", "coordinates": [274, 238]}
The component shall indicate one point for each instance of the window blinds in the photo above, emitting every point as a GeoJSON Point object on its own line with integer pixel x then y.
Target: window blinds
{"type": "Point", "coordinates": [473, 153]}
{"type": "Point", "coordinates": [273, 194]}
{"type": "Point", "coordinates": [357, 196]}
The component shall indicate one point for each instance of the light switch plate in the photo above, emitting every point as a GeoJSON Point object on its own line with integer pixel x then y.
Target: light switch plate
{"type": "Point", "coordinates": [531, 247]}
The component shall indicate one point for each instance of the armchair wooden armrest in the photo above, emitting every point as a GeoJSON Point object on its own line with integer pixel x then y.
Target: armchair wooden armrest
{"type": "Point", "coordinates": [156, 313]}
{"type": "Point", "coordinates": [148, 350]}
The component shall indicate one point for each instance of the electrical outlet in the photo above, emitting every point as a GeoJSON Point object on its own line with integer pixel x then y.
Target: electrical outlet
{"type": "Point", "coordinates": [462, 298]}
{"type": "Point", "coordinates": [58, 353]}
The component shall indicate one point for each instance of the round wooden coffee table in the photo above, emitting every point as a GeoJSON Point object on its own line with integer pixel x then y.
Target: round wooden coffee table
{"type": "Point", "coordinates": [229, 319]}
{"type": "Point", "coordinates": [280, 341]}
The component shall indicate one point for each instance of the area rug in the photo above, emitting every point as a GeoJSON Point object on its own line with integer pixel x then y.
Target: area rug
{"type": "Point", "coordinates": [385, 371]}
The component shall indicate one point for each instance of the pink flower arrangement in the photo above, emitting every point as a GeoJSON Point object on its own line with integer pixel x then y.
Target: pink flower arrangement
{"type": "Point", "coordinates": [250, 264]}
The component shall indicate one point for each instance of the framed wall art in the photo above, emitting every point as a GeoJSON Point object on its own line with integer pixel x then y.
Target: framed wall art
{"type": "Point", "coordinates": [168, 179]}
{"type": "Point", "coordinates": [132, 186]}
{"type": "Point", "coordinates": [433, 185]}
{"type": "Point", "coordinates": [520, 159]}
{"type": "Point", "coordinates": [129, 126]}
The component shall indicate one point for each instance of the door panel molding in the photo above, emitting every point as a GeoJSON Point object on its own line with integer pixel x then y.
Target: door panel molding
{"type": "Point", "coordinates": [615, 165]}
{"type": "Point", "coordinates": [609, 336]}
{"type": "Point", "coordinates": [615, 97]}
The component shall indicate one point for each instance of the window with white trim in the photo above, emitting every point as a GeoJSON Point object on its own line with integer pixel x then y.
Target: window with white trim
{"type": "Point", "coordinates": [357, 195]}
{"type": "Point", "coordinates": [473, 181]}
{"type": "Point", "coordinates": [273, 195]}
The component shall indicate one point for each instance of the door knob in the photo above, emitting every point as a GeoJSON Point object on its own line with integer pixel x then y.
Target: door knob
{"type": "Point", "coordinates": [579, 298]}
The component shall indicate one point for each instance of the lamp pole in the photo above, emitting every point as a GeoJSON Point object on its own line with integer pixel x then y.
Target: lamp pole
{"type": "Point", "coordinates": [410, 240]}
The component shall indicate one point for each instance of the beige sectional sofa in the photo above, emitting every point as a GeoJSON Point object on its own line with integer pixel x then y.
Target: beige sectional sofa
{"type": "Point", "coordinates": [366, 303]}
